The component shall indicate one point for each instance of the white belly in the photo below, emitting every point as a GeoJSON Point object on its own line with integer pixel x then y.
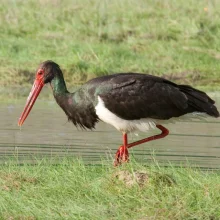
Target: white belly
{"type": "Point", "coordinates": [143, 124]}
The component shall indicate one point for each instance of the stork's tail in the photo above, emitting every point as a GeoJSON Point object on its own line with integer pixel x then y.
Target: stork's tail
{"type": "Point", "coordinates": [199, 101]}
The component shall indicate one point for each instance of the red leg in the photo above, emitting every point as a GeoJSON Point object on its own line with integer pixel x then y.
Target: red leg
{"type": "Point", "coordinates": [163, 134]}
{"type": "Point", "coordinates": [122, 153]}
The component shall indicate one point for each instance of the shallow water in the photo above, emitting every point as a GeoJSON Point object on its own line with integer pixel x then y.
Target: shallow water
{"type": "Point", "coordinates": [46, 133]}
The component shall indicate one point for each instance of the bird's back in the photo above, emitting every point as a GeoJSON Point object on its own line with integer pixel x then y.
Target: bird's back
{"type": "Point", "coordinates": [133, 96]}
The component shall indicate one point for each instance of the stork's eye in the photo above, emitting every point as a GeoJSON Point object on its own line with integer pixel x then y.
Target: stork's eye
{"type": "Point", "coordinates": [40, 72]}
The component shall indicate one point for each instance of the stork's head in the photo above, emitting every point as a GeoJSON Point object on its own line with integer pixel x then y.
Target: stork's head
{"type": "Point", "coordinates": [45, 74]}
{"type": "Point", "coordinates": [47, 71]}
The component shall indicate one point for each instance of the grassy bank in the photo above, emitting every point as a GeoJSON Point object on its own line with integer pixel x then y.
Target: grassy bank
{"type": "Point", "coordinates": [73, 190]}
{"type": "Point", "coordinates": [178, 39]}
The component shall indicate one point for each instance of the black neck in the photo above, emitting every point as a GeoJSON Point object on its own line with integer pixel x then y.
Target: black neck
{"type": "Point", "coordinates": [58, 85]}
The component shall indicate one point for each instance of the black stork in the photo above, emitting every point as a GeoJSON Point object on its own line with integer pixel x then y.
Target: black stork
{"type": "Point", "coordinates": [127, 101]}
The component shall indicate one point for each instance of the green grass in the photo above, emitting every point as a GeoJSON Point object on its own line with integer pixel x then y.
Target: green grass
{"type": "Point", "coordinates": [73, 190]}
{"type": "Point", "coordinates": [174, 38]}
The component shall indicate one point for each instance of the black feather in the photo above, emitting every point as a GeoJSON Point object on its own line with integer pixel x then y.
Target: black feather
{"type": "Point", "coordinates": [133, 96]}
{"type": "Point", "coordinates": [199, 100]}
{"type": "Point", "coordinates": [78, 109]}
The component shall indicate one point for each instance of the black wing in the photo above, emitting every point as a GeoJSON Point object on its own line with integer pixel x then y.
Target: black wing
{"type": "Point", "coordinates": [134, 96]}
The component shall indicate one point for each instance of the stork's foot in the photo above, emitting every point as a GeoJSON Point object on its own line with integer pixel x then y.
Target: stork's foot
{"type": "Point", "coordinates": [121, 156]}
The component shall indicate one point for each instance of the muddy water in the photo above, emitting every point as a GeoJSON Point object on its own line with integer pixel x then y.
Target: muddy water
{"type": "Point", "coordinates": [47, 134]}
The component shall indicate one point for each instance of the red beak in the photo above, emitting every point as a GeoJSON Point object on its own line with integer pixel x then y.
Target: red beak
{"type": "Point", "coordinates": [35, 91]}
